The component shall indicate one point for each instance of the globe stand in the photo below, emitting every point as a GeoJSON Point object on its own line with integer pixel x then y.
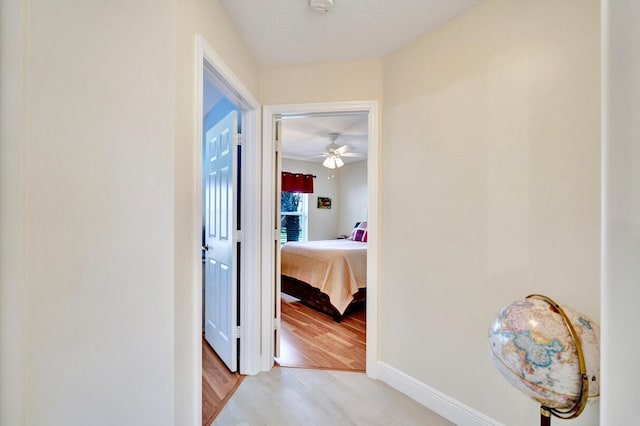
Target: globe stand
{"type": "Point", "coordinates": [545, 417]}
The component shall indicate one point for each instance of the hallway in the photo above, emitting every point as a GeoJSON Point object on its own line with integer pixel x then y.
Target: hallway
{"type": "Point", "coordinates": [296, 396]}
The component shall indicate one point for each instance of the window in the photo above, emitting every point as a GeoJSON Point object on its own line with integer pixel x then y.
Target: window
{"type": "Point", "coordinates": [293, 218]}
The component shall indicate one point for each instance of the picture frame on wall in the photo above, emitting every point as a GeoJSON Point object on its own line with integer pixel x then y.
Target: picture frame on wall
{"type": "Point", "coordinates": [324, 202]}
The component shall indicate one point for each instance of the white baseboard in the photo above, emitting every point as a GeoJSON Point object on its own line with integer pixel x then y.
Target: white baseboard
{"type": "Point", "coordinates": [434, 400]}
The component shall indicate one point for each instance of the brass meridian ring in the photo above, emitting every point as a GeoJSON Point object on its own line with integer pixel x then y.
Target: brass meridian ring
{"type": "Point", "coordinates": [578, 407]}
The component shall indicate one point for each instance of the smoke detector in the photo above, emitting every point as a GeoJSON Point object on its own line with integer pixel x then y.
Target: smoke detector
{"type": "Point", "coordinates": [321, 6]}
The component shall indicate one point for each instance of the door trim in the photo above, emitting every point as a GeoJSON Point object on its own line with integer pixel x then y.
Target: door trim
{"type": "Point", "coordinates": [269, 256]}
{"type": "Point", "coordinates": [231, 87]}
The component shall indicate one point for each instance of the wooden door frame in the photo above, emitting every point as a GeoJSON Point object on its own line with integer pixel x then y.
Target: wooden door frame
{"type": "Point", "coordinates": [270, 112]}
{"type": "Point", "coordinates": [232, 88]}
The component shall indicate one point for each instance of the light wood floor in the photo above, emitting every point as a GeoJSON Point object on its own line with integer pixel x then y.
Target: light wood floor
{"type": "Point", "coordinates": [296, 396]}
{"type": "Point", "coordinates": [310, 339]}
{"type": "Point", "coordinates": [218, 383]}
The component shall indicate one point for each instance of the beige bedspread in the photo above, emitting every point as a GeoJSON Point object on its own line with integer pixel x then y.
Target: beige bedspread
{"type": "Point", "coordinates": [336, 267]}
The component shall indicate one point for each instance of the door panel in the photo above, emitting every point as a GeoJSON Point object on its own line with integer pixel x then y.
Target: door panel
{"type": "Point", "coordinates": [221, 286]}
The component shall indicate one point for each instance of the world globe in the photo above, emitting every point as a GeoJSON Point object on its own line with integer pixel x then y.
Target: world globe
{"type": "Point", "coordinates": [550, 353]}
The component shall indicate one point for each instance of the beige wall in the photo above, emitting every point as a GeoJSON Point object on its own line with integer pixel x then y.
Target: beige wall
{"type": "Point", "coordinates": [352, 196]}
{"type": "Point", "coordinates": [207, 18]}
{"type": "Point", "coordinates": [103, 168]}
{"type": "Point", "coordinates": [491, 173]}
{"type": "Point", "coordinates": [99, 197]}
{"type": "Point", "coordinates": [326, 82]}
{"type": "Point", "coordinates": [621, 248]}
{"type": "Point", "coordinates": [12, 198]}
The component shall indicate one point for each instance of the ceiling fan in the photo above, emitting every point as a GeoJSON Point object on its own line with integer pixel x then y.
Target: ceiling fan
{"type": "Point", "coordinates": [334, 152]}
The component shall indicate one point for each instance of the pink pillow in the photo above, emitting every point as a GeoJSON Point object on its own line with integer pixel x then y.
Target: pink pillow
{"type": "Point", "coordinates": [354, 232]}
{"type": "Point", "coordinates": [360, 232]}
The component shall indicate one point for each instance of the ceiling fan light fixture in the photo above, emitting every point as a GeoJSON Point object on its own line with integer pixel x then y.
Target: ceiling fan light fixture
{"type": "Point", "coordinates": [329, 163]}
{"type": "Point", "coordinates": [321, 6]}
{"type": "Point", "coordinates": [333, 161]}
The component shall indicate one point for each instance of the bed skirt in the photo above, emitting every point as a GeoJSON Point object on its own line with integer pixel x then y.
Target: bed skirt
{"type": "Point", "coordinates": [314, 298]}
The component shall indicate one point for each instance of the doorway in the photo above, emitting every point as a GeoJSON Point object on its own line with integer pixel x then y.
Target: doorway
{"type": "Point", "coordinates": [272, 120]}
{"type": "Point", "coordinates": [329, 151]}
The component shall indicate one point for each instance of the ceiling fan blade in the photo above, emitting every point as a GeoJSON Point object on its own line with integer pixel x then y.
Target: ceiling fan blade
{"type": "Point", "coordinates": [342, 150]}
{"type": "Point", "coordinates": [352, 154]}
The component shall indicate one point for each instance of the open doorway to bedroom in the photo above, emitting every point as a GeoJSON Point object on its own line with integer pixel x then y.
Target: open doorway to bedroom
{"type": "Point", "coordinates": [323, 241]}
{"type": "Point", "coordinates": [333, 324]}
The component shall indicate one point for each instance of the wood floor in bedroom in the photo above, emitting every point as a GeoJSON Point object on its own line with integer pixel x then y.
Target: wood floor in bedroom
{"type": "Point", "coordinates": [310, 339]}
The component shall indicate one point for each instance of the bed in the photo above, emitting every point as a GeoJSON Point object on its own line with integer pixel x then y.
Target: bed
{"type": "Point", "coordinates": [328, 275]}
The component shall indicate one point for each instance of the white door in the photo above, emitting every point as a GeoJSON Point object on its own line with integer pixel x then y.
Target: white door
{"type": "Point", "coordinates": [221, 279]}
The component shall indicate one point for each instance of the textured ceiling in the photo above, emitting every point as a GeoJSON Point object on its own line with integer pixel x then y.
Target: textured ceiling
{"type": "Point", "coordinates": [306, 138]}
{"type": "Point", "coordinates": [290, 32]}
